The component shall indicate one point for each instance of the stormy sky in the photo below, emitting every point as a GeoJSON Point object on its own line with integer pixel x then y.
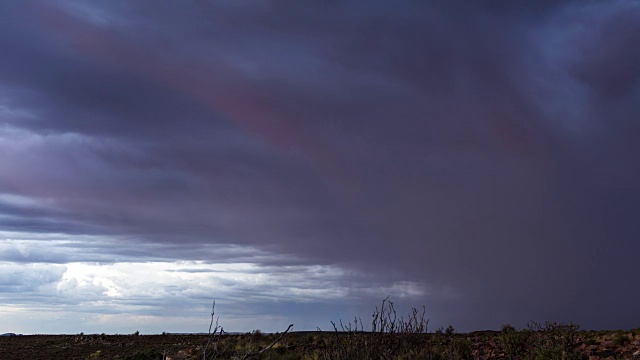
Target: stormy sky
{"type": "Point", "coordinates": [299, 161]}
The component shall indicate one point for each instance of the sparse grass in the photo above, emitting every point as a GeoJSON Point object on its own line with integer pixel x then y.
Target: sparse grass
{"type": "Point", "coordinates": [513, 342]}
{"type": "Point", "coordinates": [388, 336]}
{"type": "Point", "coordinates": [319, 345]}
{"type": "Point", "coordinates": [621, 338]}
{"type": "Point", "coordinates": [391, 336]}
{"type": "Point", "coordinates": [394, 336]}
{"type": "Point", "coordinates": [553, 341]}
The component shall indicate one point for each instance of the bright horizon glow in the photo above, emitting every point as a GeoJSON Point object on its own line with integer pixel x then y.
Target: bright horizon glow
{"type": "Point", "coordinates": [124, 297]}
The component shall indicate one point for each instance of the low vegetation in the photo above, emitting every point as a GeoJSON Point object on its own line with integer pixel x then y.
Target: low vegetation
{"type": "Point", "coordinates": [389, 336]}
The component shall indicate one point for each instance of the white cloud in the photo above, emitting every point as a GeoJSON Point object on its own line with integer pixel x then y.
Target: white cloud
{"type": "Point", "coordinates": [156, 296]}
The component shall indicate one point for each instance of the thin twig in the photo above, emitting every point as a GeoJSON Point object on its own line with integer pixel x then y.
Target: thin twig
{"type": "Point", "coordinates": [213, 312]}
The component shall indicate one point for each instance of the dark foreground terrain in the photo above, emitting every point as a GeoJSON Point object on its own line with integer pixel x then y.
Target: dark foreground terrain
{"type": "Point", "coordinates": [551, 341]}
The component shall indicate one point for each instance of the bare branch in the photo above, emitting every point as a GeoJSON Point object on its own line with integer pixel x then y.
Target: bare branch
{"type": "Point", "coordinates": [212, 335]}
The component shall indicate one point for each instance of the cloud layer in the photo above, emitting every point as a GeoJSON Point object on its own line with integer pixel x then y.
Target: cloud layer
{"type": "Point", "coordinates": [480, 158]}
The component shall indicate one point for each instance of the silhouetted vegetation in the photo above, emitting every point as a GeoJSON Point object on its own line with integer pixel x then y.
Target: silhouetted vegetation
{"type": "Point", "coordinates": [394, 336]}
{"type": "Point", "coordinates": [389, 335]}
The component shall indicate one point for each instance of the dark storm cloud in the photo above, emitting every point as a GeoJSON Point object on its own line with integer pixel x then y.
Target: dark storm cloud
{"type": "Point", "coordinates": [486, 150]}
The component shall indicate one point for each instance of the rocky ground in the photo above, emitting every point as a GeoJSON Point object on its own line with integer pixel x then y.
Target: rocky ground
{"type": "Point", "coordinates": [306, 345]}
{"type": "Point", "coordinates": [588, 345]}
